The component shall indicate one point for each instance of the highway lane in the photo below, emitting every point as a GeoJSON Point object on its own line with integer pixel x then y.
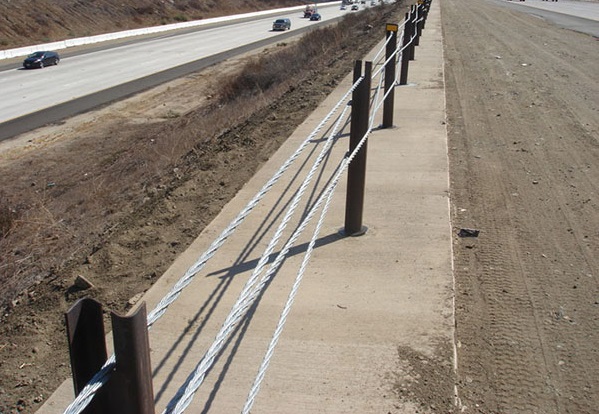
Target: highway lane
{"type": "Point", "coordinates": [31, 98]}
{"type": "Point", "coordinates": [584, 9]}
{"type": "Point", "coordinates": [580, 16]}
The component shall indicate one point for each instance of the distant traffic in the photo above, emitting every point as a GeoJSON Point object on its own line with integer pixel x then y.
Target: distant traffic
{"type": "Point", "coordinates": [311, 13]}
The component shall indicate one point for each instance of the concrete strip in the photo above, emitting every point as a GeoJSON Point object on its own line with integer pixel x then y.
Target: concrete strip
{"type": "Point", "coordinates": [363, 302]}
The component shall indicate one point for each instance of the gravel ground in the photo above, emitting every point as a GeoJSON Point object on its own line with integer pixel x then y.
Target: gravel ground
{"type": "Point", "coordinates": [523, 100]}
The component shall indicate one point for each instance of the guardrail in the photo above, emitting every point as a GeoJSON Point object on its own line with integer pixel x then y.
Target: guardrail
{"type": "Point", "coordinates": [122, 383]}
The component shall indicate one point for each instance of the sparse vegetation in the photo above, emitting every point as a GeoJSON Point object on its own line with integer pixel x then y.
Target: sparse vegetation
{"type": "Point", "coordinates": [7, 217]}
{"type": "Point", "coordinates": [268, 71]}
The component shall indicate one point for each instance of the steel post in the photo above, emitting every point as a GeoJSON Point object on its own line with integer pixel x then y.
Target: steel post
{"type": "Point", "coordinates": [417, 25]}
{"type": "Point", "coordinates": [131, 384]}
{"type": "Point", "coordinates": [391, 50]}
{"type": "Point", "coordinates": [356, 175]}
{"type": "Point", "coordinates": [87, 349]}
{"type": "Point", "coordinates": [412, 46]}
{"type": "Point", "coordinates": [405, 54]}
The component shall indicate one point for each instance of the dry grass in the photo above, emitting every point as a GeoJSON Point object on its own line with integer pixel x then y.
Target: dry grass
{"type": "Point", "coordinates": [265, 73]}
{"type": "Point", "coordinates": [7, 217]}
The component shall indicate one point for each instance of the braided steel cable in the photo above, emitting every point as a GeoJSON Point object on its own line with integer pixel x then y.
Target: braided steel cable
{"type": "Point", "coordinates": [326, 194]}
{"type": "Point", "coordinates": [101, 377]}
{"type": "Point", "coordinates": [248, 295]}
{"type": "Point", "coordinates": [248, 299]}
{"type": "Point", "coordinates": [160, 309]}
{"type": "Point", "coordinates": [380, 102]}
{"type": "Point", "coordinates": [290, 300]}
{"type": "Point", "coordinates": [293, 292]}
{"type": "Point", "coordinates": [399, 55]}
{"type": "Point", "coordinates": [380, 52]}
{"type": "Point", "coordinates": [375, 98]}
{"type": "Point", "coordinates": [387, 40]}
{"type": "Point", "coordinates": [382, 67]}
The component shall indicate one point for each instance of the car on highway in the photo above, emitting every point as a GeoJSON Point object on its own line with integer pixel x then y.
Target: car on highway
{"type": "Point", "coordinates": [315, 17]}
{"type": "Point", "coordinates": [343, 7]}
{"type": "Point", "coordinates": [41, 59]}
{"type": "Point", "coordinates": [282, 24]}
{"type": "Point", "coordinates": [355, 7]}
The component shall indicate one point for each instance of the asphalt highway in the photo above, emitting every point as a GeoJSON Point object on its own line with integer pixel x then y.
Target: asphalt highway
{"type": "Point", "coordinates": [82, 81]}
{"type": "Point", "coordinates": [580, 16]}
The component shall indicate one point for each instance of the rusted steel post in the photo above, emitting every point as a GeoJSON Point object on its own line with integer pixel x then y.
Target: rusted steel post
{"type": "Point", "coordinates": [424, 14]}
{"type": "Point", "coordinates": [131, 384]}
{"type": "Point", "coordinates": [356, 174]}
{"type": "Point", "coordinates": [420, 22]}
{"type": "Point", "coordinates": [87, 349]}
{"type": "Point", "coordinates": [390, 75]}
{"type": "Point", "coordinates": [405, 54]}
{"type": "Point", "coordinates": [416, 24]}
{"type": "Point", "coordinates": [414, 43]}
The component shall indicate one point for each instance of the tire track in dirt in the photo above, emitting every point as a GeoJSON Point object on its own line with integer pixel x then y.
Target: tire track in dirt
{"type": "Point", "coordinates": [522, 114]}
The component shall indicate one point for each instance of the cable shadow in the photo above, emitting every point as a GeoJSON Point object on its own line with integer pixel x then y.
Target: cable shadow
{"type": "Point", "coordinates": [295, 250]}
{"type": "Point", "coordinates": [240, 330]}
{"type": "Point", "coordinates": [216, 295]}
{"type": "Point", "coordinates": [228, 274]}
{"type": "Point", "coordinates": [208, 308]}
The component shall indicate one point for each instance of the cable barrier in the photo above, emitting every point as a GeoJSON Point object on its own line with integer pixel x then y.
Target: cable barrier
{"type": "Point", "coordinates": [389, 55]}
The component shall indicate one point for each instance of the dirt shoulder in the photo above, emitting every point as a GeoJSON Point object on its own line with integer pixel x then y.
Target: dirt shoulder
{"type": "Point", "coordinates": [523, 122]}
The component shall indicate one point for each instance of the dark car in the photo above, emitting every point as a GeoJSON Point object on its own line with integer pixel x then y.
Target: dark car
{"type": "Point", "coordinates": [41, 59]}
{"type": "Point", "coordinates": [281, 24]}
{"type": "Point", "coordinates": [315, 17]}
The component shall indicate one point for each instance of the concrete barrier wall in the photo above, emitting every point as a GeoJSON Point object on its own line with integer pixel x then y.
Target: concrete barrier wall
{"type": "Point", "coordinates": [63, 44]}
